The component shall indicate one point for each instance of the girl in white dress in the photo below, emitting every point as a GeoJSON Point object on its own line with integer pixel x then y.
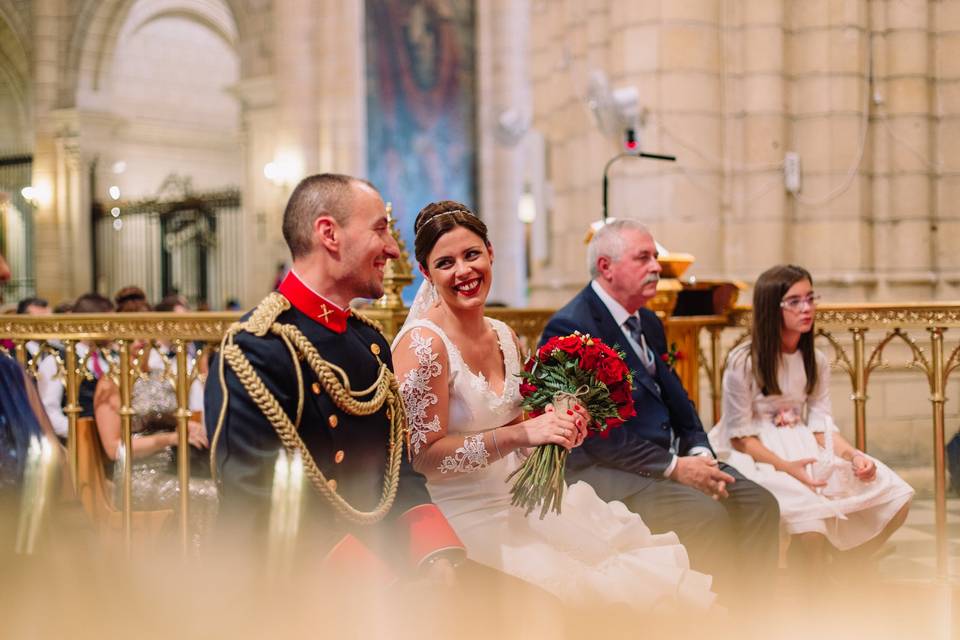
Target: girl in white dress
{"type": "Point", "coordinates": [777, 430]}
{"type": "Point", "coordinates": [458, 377]}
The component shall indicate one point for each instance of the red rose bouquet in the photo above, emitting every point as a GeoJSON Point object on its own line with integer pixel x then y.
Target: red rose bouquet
{"type": "Point", "coordinates": [569, 370]}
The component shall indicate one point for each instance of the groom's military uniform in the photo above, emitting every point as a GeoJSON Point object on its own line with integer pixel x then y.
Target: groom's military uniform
{"type": "Point", "coordinates": [302, 374]}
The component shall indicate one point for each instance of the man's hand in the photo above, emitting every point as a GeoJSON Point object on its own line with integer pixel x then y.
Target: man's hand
{"type": "Point", "coordinates": [704, 474]}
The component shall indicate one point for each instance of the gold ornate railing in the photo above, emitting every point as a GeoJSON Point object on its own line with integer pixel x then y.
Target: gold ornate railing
{"type": "Point", "coordinates": [125, 342]}
{"type": "Point", "coordinates": [858, 336]}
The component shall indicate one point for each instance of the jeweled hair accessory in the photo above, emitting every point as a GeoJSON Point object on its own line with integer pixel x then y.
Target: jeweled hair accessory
{"type": "Point", "coordinates": [416, 231]}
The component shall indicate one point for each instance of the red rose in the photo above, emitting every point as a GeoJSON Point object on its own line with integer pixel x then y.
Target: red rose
{"type": "Point", "coordinates": [620, 393]}
{"type": "Point", "coordinates": [544, 352]}
{"type": "Point", "coordinates": [531, 363]}
{"type": "Point", "coordinates": [607, 352]}
{"type": "Point", "coordinates": [627, 410]}
{"type": "Point", "coordinates": [570, 344]}
{"type": "Point", "coordinates": [611, 370]}
{"type": "Point", "coordinates": [590, 357]}
{"type": "Point", "coordinates": [665, 357]}
{"type": "Point", "coordinates": [611, 423]}
{"type": "Point", "coordinates": [679, 355]}
{"type": "Point", "coordinates": [527, 389]}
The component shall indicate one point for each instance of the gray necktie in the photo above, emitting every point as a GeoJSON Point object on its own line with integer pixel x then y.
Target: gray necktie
{"type": "Point", "coordinates": [647, 357]}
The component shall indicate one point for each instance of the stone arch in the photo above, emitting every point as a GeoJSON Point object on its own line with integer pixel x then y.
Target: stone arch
{"type": "Point", "coordinates": [99, 23]}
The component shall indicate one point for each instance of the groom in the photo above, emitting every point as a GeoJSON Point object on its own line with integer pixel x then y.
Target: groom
{"type": "Point", "coordinates": [660, 463]}
{"type": "Point", "coordinates": [290, 371]}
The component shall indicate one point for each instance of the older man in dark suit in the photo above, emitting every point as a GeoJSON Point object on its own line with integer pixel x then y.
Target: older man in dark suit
{"type": "Point", "coordinates": [660, 463]}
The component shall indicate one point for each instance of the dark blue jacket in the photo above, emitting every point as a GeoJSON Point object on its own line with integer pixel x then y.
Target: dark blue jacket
{"type": "Point", "coordinates": [348, 449]}
{"type": "Point", "coordinates": [641, 445]}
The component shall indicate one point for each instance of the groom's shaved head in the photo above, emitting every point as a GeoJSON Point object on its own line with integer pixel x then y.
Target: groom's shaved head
{"type": "Point", "coordinates": [324, 194]}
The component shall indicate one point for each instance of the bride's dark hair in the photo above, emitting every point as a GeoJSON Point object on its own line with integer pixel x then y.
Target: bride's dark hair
{"type": "Point", "coordinates": [437, 219]}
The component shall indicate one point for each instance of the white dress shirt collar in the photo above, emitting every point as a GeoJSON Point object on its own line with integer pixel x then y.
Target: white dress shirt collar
{"type": "Point", "coordinates": [616, 309]}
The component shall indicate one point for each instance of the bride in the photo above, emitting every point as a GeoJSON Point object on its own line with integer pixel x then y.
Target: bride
{"type": "Point", "coordinates": [458, 373]}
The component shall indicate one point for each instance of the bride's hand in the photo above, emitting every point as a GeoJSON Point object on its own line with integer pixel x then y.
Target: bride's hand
{"type": "Point", "coordinates": [553, 427]}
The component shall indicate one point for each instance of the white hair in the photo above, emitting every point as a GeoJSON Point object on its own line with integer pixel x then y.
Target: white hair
{"type": "Point", "coordinates": [608, 241]}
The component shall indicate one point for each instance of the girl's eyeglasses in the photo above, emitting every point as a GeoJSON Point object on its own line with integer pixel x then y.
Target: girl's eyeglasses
{"type": "Point", "coordinates": [796, 303]}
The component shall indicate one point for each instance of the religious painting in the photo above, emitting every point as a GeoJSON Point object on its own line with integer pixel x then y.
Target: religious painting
{"type": "Point", "coordinates": [421, 105]}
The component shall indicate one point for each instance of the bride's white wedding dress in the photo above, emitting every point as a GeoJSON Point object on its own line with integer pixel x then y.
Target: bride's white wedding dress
{"type": "Point", "coordinates": [593, 553]}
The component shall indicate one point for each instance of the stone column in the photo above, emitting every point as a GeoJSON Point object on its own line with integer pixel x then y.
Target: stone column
{"type": "Point", "coordinates": [754, 205]}
{"type": "Point", "coordinates": [830, 61]}
{"type": "Point", "coordinates": [295, 74]}
{"type": "Point", "coordinates": [946, 90]}
{"type": "Point", "coordinates": [568, 41]}
{"type": "Point", "coordinates": [503, 84]}
{"type": "Point", "coordinates": [51, 226]}
{"type": "Point", "coordinates": [263, 201]}
{"type": "Point", "coordinates": [72, 195]}
{"type": "Point", "coordinates": [903, 189]}
{"type": "Point", "coordinates": [672, 53]}
{"type": "Point", "coordinates": [341, 87]}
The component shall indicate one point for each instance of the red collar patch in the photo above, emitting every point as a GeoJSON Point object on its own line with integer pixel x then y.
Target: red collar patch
{"type": "Point", "coordinates": [313, 305]}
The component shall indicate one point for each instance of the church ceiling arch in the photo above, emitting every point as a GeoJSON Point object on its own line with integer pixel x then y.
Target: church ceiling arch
{"type": "Point", "coordinates": [16, 16]}
{"type": "Point", "coordinates": [100, 23]}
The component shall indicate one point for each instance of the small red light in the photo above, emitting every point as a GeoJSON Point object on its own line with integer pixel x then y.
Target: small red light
{"type": "Point", "coordinates": [631, 144]}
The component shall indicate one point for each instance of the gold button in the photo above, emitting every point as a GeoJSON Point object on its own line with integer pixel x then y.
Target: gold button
{"type": "Point", "coordinates": [338, 458]}
{"type": "Point", "coordinates": [332, 483]}
{"type": "Point", "coordinates": [333, 422]}
{"type": "Point", "coordinates": [315, 387]}
{"type": "Point", "coordinates": [375, 348]}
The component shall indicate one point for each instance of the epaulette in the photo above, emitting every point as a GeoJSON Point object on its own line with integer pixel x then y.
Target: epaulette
{"type": "Point", "coordinates": [264, 315]}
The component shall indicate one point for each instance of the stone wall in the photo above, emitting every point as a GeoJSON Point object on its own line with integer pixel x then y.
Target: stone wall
{"type": "Point", "coordinates": [863, 91]}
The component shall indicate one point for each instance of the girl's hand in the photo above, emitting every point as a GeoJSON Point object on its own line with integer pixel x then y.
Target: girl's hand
{"type": "Point", "coordinates": [863, 467]}
{"type": "Point", "coordinates": [798, 469]}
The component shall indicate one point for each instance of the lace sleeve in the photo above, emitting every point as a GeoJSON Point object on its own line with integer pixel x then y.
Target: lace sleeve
{"type": "Point", "coordinates": [819, 407]}
{"type": "Point", "coordinates": [422, 366]}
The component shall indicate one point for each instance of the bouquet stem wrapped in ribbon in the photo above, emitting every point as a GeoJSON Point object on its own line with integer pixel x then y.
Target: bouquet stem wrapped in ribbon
{"type": "Point", "coordinates": [566, 371]}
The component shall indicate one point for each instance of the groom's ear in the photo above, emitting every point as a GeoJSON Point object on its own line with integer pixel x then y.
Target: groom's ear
{"type": "Point", "coordinates": [326, 233]}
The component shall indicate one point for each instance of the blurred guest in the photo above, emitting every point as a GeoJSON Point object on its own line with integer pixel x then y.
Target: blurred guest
{"type": "Point", "coordinates": [89, 353]}
{"type": "Point", "coordinates": [21, 420]}
{"type": "Point", "coordinates": [165, 354]}
{"type": "Point", "coordinates": [154, 405]}
{"type": "Point", "coordinates": [33, 306]}
{"type": "Point", "coordinates": [128, 297]}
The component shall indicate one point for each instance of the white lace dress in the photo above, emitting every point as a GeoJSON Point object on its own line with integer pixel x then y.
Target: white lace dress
{"type": "Point", "coordinates": [593, 553]}
{"type": "Point", "coordinates": [847, 511]}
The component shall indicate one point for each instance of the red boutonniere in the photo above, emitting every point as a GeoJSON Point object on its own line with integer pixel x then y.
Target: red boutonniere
{"type": "Point", "coordinates": [673, 355]}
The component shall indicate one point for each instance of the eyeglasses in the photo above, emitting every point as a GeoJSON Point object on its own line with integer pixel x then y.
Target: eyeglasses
{"type": "Point", "coordinates": [796, 303]}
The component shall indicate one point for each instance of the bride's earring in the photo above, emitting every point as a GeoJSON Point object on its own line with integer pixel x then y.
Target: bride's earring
{"type": "Point", "coordinates": [434, 296]}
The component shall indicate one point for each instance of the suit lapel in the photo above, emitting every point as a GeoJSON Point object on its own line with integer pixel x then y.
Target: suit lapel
{"type": "Point", "coordinates": [613, 335]}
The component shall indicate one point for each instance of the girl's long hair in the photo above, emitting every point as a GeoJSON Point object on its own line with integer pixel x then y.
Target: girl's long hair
{"type": "Point", "coordinates": [767, 328]}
